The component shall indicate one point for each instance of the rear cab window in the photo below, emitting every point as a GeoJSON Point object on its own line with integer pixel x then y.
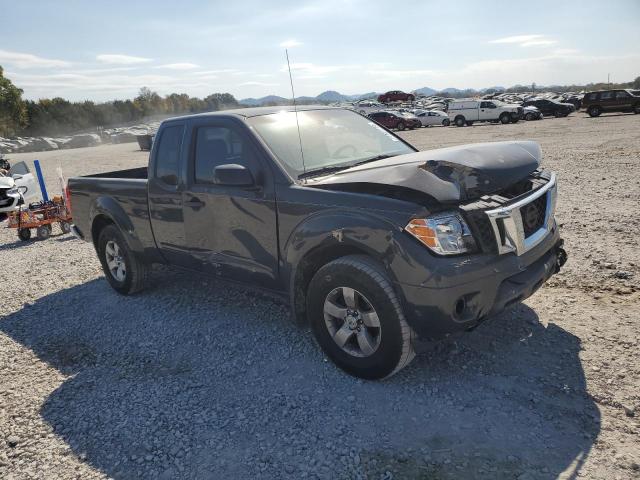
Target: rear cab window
{"type": "Point", "coordinates": [168, 155]}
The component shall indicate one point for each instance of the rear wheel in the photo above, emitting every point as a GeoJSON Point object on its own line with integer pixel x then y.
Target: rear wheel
{"type": "Point", "coordinates": [636, 108]}
{"type": "Point", "coordinates": [400, 126]}
{"type": "Point", "coordinates": [529, 117]}
{"type": "Point", "coordinates": [594, 111]}
{"type": "Point", "coordinates": [43, 232]}
{"type": "Point", "coordinates": [65, 227]}
{"type": "Point", "coordinates": [357, 319]}
{"type": "Point", "coordinates": [446, 122]}
{"type": "Point", "coordinates": [124, 271]}
{"type": "Point", "coordinates": [505, 118]}
{"type": "Point", "coordinates": [24, 234]}
{"type": "Point", "coordinates": [460, 121]}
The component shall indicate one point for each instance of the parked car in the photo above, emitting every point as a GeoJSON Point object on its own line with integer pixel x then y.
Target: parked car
{"type": "Point", "coordinates": [350, 236]}
{"type": "Point", "coordinates": [395, 120]}
{"type": "Point", "coordinates": [595, 103]}
{"type": "Point", "coordinates": [429, 118]}
{"type": "Point", "coordinates": [466, 112]}
{"type": "Point", "coordinates": [551, 107]}
{"type": "Point", "coordinates": [366, 107]}
{"type": "Point", "coordinates": [18, 187]}
{"type": "Point", "coordinates": [396, 96]}
{"type": "Point", "coordinates": [532, 113]}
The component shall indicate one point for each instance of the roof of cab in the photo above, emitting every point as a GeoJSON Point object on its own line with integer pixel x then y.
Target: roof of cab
{"type": "Point", "coordinates": [253, 111]}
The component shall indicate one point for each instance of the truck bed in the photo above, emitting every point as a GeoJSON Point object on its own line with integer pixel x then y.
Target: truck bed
{"type": "Point", "coordinates": [139, 173]}
{"type": "Point", "coordinates": [121, 191]}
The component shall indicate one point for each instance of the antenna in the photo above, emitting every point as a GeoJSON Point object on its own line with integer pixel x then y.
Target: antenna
{"type": "Point", "coordinates": [295, 109]}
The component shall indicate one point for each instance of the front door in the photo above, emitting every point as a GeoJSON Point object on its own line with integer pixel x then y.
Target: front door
{"type": "Point", "coordinates": [231, 230]}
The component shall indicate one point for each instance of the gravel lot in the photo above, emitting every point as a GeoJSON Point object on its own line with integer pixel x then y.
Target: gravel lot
{"type": "Point", "coordinates": [197, 379]}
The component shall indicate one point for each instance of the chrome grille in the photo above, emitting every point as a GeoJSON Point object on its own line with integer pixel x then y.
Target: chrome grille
{"type": "Point", "coordinates": [522, 225]}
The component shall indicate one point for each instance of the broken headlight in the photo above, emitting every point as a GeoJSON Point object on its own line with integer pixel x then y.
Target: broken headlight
{"type": "Point", "coordinates": [444, 233]}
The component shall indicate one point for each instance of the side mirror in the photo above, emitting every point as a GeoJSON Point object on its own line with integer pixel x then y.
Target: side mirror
{"type": "Point", "coordinates": [232, 174]}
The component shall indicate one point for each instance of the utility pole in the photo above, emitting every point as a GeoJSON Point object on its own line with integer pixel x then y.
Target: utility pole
{"type": "Point", "coordinates": [608, 81]}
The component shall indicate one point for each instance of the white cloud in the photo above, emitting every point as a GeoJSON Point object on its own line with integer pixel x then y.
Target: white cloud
{"type": "Point", "coordinates": [290, 43]}
{"type": "Point", "coordinates": [259, 84]}
{"type": "Point", "coordinates": [313, 69]}
{"type": "Point", "coordinates": [27, 60]}
{"type": "Point", "coordinates": [179, 66]}
{"type": "Point", "coordinates": [517, 39]}
{"type": "Point", "coordinates": [536, 40]}
{"type": "Point", "coordinates": [115, 59]}
{"type": "Point", "coordinates": [214, 72]}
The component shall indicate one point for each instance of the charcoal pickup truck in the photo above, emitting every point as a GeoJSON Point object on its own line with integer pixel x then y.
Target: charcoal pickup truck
{"type": "Point", "coordinates": [373, 243]}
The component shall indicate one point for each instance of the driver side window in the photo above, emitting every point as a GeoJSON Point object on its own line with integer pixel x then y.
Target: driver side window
{"type": "Point", "coordinates": [215, 146]}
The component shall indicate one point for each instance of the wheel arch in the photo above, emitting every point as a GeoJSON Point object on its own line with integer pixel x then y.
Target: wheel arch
{"type": "Point", "coordinates": [311, 247]}
{"type": "Point", "coordinates": [106, 211]}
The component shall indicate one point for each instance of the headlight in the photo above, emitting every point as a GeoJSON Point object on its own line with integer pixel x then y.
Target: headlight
{"type": "Point", "coordinates": [444, 233]}
{"type": "Point", "coordinates": [13, 191]}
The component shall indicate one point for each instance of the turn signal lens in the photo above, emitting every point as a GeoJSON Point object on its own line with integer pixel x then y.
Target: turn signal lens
{"type": "Point", "coordinates": [444, 234]}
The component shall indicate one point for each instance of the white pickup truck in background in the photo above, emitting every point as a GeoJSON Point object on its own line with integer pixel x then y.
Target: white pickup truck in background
{"type": "Point", "coordinates": [466, 112]}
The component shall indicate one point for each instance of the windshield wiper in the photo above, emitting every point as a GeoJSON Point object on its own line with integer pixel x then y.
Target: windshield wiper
{"type": "Point", "coordinates": [324, 170]}
{"type": "Point", "coordinates": [373, 159]}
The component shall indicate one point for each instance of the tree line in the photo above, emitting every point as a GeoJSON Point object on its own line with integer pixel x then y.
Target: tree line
{"type": "Point", "coordinates": [57, 116]}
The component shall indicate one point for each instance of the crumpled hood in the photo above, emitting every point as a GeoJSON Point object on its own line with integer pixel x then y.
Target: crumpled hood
{"type": "Point", "coordinates": [449, 174]}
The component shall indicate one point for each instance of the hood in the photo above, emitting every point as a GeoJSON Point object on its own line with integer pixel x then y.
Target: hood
{"type": "Point", "coordinates": [450, 174]}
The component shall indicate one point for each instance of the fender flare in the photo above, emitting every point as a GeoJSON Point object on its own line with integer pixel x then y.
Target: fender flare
{"type": "Point", "coordinates": [332, 234]}
{"type": "Point", "coordinates": [108, 207]}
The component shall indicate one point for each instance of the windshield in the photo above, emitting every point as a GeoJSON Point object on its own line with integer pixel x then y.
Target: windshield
{"type": "Point", "coordinates": [330, 139]}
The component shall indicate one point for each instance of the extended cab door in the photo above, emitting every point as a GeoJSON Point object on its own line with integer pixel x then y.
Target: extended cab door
{"type": "Point", "coordinates": [231, 229]}
{"type": "Point", "coordinates": [165, 194]}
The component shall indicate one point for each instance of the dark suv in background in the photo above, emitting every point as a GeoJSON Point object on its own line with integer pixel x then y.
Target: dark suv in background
{"type": "Point", "coordinates": [396, 96]}
{"type": "Point", "coordinates": [596, 103]}
{"type": "Point", "coordinates": [550, 107]}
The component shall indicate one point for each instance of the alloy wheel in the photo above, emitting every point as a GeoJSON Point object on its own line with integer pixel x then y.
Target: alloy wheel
{"type": "Point", "coordinates": [115, 261]}
{"type": "Point", "coordinates": [352, 322]}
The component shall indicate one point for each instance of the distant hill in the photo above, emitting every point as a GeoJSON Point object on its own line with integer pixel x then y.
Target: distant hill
{"type": "Point", "coordinates": [425, 91]}
{"type": "Point", "coordinates": [269, 99]}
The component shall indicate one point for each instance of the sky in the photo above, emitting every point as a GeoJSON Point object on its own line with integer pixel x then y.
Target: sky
{"type": "Point", "coordinates": [102, 51]}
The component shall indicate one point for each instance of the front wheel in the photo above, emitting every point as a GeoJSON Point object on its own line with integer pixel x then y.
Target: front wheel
{"type": "Point", "coordinates": [357, 319]}
{"type": "Point", "coordinates": [529, 116]}
{"type": "Point", "coordinates": [505, 118]}
{"type": "Point", "coordinates": [65, 227]}
{"type": "Point", "coordinates": [124, 271]}
{"type": "Point", "coordinates": [594, 111]}
{"type": "Point", "coordinates": [400, 126]}
{"type": "Point", "coordinates": [446, 122]}
{"type": "Point", "coordinates": [460, 121]}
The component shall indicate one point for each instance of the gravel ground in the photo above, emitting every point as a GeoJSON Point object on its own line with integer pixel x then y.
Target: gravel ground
{"type": "Point", "coordinates": [197, 379]}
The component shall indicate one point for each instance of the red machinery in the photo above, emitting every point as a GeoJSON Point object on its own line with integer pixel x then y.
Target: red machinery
{"type": "Point", "coordinates": [41, 216]}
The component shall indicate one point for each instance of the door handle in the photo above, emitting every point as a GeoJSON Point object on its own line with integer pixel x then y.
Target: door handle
{"type": "Point", "coordinates": [194, 203]}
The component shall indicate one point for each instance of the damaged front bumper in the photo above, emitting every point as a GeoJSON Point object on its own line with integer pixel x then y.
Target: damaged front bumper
{"type": "Point", "coordinates": [461, 294]}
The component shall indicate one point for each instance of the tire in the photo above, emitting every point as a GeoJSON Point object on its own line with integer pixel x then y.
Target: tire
{"type": "Point", "coordinates": [594, 111]}
{"type": "Point", "coordinates": [446, 122]}
{"type": "Point", "coordinates": [515, 119]}
{"type": "Point", "coordinates": [65, 227]}
{"type": "Point", "coordinates": [558, 114]}
{"type": "Point", "coordinates": [636, 108]}
{"type": "Point", "coordinates": [43, 232]}
{"type": "Point", "coordinates": [505, 118]}
{"type": "Point", "coordinates": [24, 234]}
{"type": "Point", "coordinates": [400, 126]}
{"type": "Point", "coordinates": [460, 121]}
{"type": "Point", "coordinates": [135, 270]}
{"type": "Point", "coordinates": [529, 116]}
{"type": "Point", "coordinates": [389, 345]}
{"type": "Point", "coordinates": [362, 112]}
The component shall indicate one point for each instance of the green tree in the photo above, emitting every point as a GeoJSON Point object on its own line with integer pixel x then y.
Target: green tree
{"type": "Point", "coordinates": [13, 112]}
